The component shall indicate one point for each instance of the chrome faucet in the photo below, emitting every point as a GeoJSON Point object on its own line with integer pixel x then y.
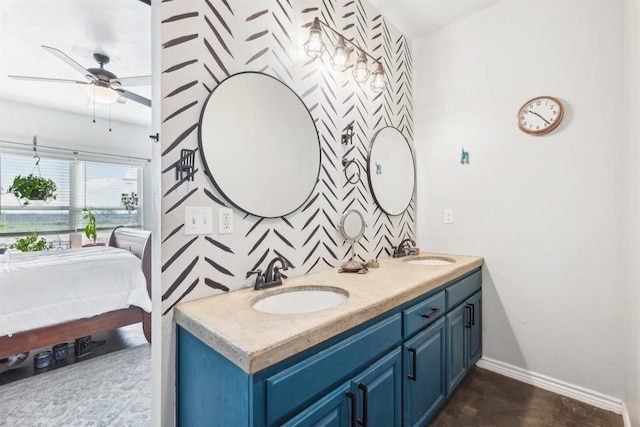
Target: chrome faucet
{"type": "Point", "coordinates": [272, 277]}
{"type": "Point", "coordinates": [401, 249]}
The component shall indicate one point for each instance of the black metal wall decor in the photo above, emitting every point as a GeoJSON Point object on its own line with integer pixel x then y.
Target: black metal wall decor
{"type": "Point", "coordinates": [187, 160]}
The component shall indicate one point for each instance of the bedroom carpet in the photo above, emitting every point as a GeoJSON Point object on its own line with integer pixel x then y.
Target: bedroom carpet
{"type": "Point", "coordinates": [111, 390]}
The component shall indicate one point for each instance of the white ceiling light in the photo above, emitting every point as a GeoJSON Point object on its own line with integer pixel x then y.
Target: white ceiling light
{"type": "Point", "coordinates": [101, 93]}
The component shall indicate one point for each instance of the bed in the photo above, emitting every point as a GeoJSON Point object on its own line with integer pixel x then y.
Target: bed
{"type": "Point", "coordinates": [51, 297]}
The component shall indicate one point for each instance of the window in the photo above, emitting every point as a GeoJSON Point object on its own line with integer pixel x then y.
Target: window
{"type": "Point", "coordinates": [96, 185]}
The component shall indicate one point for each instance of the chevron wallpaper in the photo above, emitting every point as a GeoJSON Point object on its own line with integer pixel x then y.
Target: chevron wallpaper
{"type": "Point", "coordinates": [206, 41]}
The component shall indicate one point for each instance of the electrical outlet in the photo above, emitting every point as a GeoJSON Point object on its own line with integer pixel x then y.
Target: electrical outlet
{"type": "Point", "coordinates": [198, 220]}
{"type": "Point", "coordinates": [225, 221]}
{"type": "Point", "coordinates": [448, 216]}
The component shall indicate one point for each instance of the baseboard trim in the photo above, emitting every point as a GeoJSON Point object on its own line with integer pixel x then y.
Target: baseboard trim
{"type": "Point", "coordinates": [625, 415]}
{"type": "Point", "coordinates": [582, 394]}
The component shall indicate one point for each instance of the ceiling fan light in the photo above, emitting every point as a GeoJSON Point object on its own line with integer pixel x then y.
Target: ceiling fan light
{"type": "Point", "coordinates": [101, 94]}
{"type": "Point", "coordinates": [378, 83]}
{"type": "Point", "coordinates": [360, 71]}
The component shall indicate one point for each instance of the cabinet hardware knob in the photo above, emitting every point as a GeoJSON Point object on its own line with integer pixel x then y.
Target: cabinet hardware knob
{"type": "Point", "coordinates": [473, 314]}
{"type": "Point", "coordinates": [354, 409]}
{"type": "Point", "coordinates": [365, 405]}
{"type": "Point", "coordinates": [468, 309]}
{"type": "Point", "coordinates": [434, 312]}
{"type": "Point", "coordinates": [414, 368]}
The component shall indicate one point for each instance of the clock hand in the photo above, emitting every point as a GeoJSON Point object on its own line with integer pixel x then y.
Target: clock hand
{"type": "Point", "coordinates": [539, 116]}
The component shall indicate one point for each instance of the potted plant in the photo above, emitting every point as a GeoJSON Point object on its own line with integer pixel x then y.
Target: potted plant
{"type": "Point", "coordinates": [31, 243]}
{"type": "Point", "coordinates": [90, 230]}
{"type": "Point", "coordinates": [31, 187]}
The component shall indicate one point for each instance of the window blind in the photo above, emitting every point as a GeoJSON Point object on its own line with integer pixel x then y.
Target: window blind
{"type": "Point", "coordinates": [95, 185]}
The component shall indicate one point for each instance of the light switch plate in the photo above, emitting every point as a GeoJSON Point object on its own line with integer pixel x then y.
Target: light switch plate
{"type": "Point", "coordinates": [198, 220]}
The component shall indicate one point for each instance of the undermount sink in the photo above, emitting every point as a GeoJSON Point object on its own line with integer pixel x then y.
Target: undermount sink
{"type": "Point", "coordinates": [303, 299]}
{"type": "Point", "coordinates": [429, 260]}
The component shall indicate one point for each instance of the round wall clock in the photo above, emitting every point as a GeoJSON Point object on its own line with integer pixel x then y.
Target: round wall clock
{"type": "Point", "coordinates": [540, 115]}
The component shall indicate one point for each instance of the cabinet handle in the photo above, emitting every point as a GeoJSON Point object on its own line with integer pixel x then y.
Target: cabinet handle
{"type": "Point", "coordinates": [468, 308]}
{"type": "Point", "coordinates": [434, 312]}
{"type": "Point", "coordinates": [365, 405]}
{"type": "Point", "coordinates": [354, 409]}
{"type": "Point", "coordinates": [414, 368]}
{"type": "Point", "coordinates": [473, 314]}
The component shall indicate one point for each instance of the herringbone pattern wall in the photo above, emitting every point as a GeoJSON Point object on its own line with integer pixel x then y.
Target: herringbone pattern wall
{"type": "Point", "coordinates": [206, 41]}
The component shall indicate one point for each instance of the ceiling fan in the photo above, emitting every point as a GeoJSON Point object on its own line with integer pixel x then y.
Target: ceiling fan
{"type": "Point", "coordinates": [101, 85]}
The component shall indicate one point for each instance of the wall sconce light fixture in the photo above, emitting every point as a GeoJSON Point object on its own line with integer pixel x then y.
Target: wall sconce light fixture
{"type": "Point", "coordinates": [129, 201]}
{"type": "Point", "coordinates": [340, 59]}
{"type": "Point", "coordinates": [187, 159]}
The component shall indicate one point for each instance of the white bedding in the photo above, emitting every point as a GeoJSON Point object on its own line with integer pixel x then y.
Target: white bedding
{"type": "Point", "coordinates": [45, 288]}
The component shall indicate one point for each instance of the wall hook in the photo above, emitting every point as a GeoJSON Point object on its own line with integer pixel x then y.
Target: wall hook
{"type": "Point", "coordinates": [185, 164]}
{"type": "Point", "coordinates": [464, 157]}
{"type": "Point", "coordinates": [347, 136]}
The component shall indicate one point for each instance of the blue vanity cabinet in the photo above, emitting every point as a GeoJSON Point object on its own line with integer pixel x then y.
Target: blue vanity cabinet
{"type": "Point", "coordinates": [378, 393]}
{"type": "Point", "coordinates": [464, 339]}
{"type": "Point", "coordinates": [457, 343]}
{"type": "Point", "coordinates": [424, 374]}
{"type": "Point", "coordinates": [334, 410]}
{"type": "Point", "coordinates": [391, 371]}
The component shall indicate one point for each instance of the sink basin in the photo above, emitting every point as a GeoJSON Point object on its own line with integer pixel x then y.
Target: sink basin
{"type": "Point", "coordinates": [429, 260]}
{"type": "Point", "coordinates": [303, 299]}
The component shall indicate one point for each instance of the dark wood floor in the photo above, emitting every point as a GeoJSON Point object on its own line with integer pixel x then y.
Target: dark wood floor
{"type": "Point", "coordinates": [118, 339]}
{"type": "Point", "coordinates": [487, 399]}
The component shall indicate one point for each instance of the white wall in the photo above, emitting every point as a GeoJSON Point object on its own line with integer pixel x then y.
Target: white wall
{"type": "Point", "coordinates": [545, 212]}
{"type": "Point", "coordinates": [56, 128]}
{"type": "Point", "coordinates": [631, 212]}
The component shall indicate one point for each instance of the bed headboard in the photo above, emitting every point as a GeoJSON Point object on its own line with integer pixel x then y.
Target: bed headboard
{"type": "Point", "coordinates": [137, 242]}
{"type": "Point", "coordinates": [131, 239]}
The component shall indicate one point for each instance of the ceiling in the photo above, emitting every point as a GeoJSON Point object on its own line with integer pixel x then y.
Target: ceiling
{"type": "Point", "coordinates": [415, 18]}
{"type": "Point", "coordinates": [119, 28]}
{"type": "Point", "coordinates": [122, 30]}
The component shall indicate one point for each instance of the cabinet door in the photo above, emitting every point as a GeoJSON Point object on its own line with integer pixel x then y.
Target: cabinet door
{"type": "Point", "coordinates": [457, 341]}
{"type": "Point", "coordinates": [333, 410]}
{"type": "Point", "coordinates": [475, 332]}
{"type": "Point", "coordinates": [378, 392]}
{"type": "Point", "coordinates": [424, 374]}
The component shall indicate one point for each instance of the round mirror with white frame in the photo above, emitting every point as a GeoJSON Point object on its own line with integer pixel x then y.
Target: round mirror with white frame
{"type": "Point", "coordinates": [391, 171]}
{"type": "Point", "coordinates": [259, 145]}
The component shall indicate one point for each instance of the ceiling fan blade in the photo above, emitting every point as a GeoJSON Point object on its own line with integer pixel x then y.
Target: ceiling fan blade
{"type": "Point", "coordinates": [134, 97]}
{"type": "Point", "coordinates": [73, 64]}
{"type": "Point", "coordinates": [134, 81]}
{"type": "Point", "coordinates": [47, 79]}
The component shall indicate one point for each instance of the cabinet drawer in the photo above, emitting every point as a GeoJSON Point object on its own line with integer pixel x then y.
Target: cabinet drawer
{"type": "Point", "coordinates": [297, 385]}
{"type": "Point", "coordinates": [462, 289]}
{"type": "Point", "coordinates": [423, 313]}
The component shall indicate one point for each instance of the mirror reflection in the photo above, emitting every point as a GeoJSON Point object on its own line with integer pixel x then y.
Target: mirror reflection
{"type": "Point", "coordinates": [259, 145]}
{"type": "Point", "coordinates": [391, 171]}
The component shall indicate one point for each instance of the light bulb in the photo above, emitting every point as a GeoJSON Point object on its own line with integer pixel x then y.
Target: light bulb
{"type": "Point", "coordinates": [314, 45]}
{"type": "Point", "coordinates": [340, 58]}
{"type": "Point", "coordinates": [360, 71]}
{"type": "Point", "coordinates": [377, 82]}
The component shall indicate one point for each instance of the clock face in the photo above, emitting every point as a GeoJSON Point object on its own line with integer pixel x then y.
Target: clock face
{"type": "Point", "coordinates": [540, 115]}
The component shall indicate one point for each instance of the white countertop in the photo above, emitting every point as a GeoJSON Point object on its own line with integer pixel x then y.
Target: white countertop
{"type": "Point", "coordinates": [254, 340]}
